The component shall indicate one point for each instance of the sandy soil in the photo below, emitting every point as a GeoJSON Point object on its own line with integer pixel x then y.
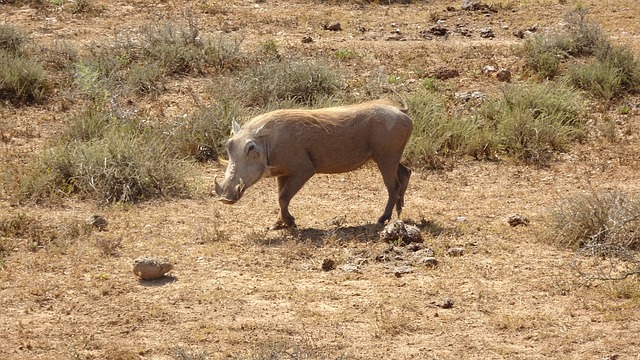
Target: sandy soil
{"type": "Point", "coordinates": [239, 291]}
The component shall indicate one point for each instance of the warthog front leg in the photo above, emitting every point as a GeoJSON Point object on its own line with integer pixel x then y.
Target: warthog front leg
{"type": "Point", "coordinates": [288, 186]}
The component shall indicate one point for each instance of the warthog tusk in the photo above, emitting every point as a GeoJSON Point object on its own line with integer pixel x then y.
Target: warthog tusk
{"type": "Point", "coordinates": [218, 188]}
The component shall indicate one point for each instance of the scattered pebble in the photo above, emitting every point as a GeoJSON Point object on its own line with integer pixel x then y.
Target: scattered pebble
{"type": "Point", "coordinates": [333, 27]}
{"type": "Point", "coordinates": [398, 230]}
{"type": "Point", "coordinates": [328, 264]}
{"type": "Point", "coordinates": [151, 268]}
{"type": "Point", "coordinates": [503, 75]}
{"type": "Point", "coordinates": [517, 219]}
{"type": "Point", "coordinates": [455, 251]}
{"type": "Point", "coordinates": [98, 222]}
{"type": "Point", "coordinates": [487, 33]}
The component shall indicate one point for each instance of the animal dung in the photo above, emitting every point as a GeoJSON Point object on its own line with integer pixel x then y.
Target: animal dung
{"type": "Point", "coordinates": [150, 268]}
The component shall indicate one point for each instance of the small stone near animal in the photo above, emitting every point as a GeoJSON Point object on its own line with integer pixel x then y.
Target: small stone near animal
{"type": "Point", "coordinates": [350, 268]}
{"type": "Point", "coordinates": [98, 222]}
{"type": "Point", "coordinates": [517, 219]}
{"type": "Point", "coordinates": [307, 40]}
{"type": "Point", "coordinates": [488, 69]}
{"type": "Point", "coordinates": [328, 264]}
{"type": "Point", "coordinates": [398, 230]}
{"type": "Point", "coordinates": [333, 27]}
{"type": "Point", "coordinates": [487, 33]}
{"type": "Point", "coordinates": [428, 261]}
{"type": "Point", "coordinates": [438, 30]}
{"type": "Point", "coordinates": [402, 270]}
{"type": "Point", "coordinates": [445, 73]}
{"type": "Point", "coordinates": [471, 5]}
{"type": "Point", "coordinates": [503, 75]}
{"type": "Point", "coordinates": [455, 251]}
{"type": "Point", "coordinates": [447, 304]}
{"type": "Point", "coordinates": [151, 268]}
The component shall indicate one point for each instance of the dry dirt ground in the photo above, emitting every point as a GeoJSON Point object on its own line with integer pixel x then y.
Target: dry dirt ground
{"type": "Point", "coordinates": [238, 291]}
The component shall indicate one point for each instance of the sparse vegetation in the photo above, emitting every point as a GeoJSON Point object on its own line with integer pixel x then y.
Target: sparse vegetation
{"type": "Point", "coordinates": [21, 80]}
{"type": "Point", "coordinates": [122, 166]}
{"type": "Point", "coordinates": [133, 98]}
{"type": "Point", "coordinates": [598, 218]}
{"type": "Point", "coordinates": [11, 39]}
{"type": "Point", "coordinates": [303, 82]}
{"type": "Point", "coordinates": [527, 123]}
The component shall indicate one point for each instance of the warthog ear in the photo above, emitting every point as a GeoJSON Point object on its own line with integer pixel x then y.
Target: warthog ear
{"type": "Point", "coordinates": [235, 127]}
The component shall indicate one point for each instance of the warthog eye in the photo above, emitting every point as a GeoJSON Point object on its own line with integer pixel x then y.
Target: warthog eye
{"type": "Point", "coordinates": [250, 147]}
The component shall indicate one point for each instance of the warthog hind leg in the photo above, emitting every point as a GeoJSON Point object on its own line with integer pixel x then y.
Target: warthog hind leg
{"type": "Point", "coordinates": [404, 173]}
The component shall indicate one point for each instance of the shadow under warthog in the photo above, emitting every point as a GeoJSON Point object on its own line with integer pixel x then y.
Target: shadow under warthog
{"type": "Point", "coordinates": [362, 233]}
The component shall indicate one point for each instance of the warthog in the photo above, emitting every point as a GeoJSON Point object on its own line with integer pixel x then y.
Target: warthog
{"type": "Point", "coordinates": [293, 145]}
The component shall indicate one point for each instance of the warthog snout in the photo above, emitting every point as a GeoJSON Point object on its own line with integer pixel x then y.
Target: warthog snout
{"type": "Point", "coordinates": [227, 193]}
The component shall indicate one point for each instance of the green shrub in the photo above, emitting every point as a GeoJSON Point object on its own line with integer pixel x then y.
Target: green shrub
{"type": "Point", "coordinates": [202, 135]}
{"type": "Point", "coordinates": [543, 56]}
{"type": "Point", "coordinates": [88, 125]}
{"type": "Point", "coordinates": [181, 50]}
{"type": "Point", "coordinates": [601, 80]}
{"type": "Point", "coordinates": [531, 122]}
{"type": "Point", "coordinates": [585, 36]}
{"type": "Point", "coordinates": [300, 81]}
{"type": "Point", "coordinates": [11, 39]}
{"type": "Point", "coordinates": [124, 165]}
{"type": "Point", "coordinates": [624, 60]}
{"type": "Point", "coordinates": [21, 80]}
{"type": "Point", "coordinates": [435, 134]}
{"type": "Point", "coordinates": [145, 79]}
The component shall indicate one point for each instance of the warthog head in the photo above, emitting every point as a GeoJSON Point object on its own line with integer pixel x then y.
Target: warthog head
{"type": "Point", "coordinates": [247, 164]}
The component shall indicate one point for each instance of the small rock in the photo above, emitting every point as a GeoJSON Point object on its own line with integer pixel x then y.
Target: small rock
{"type": "Point", "coordinates": [307, 40]}
{"type": "Point", "coordinates": [350, 268]}
{"type": "Point", "coordinates": [461, 219]}
{"type": "Point", "coordinates": [402, 270]}
{"type": "Point", "coordinates": [333, 27]}
{"type": "Point", "coordinates": [488, 69]}
{"type": "Point", "coordinates": [445, 73]}
{"type": "Point", "coordinates": [414, 247]}
{"type": "Point", "coordinates": [397, 230]}
{"type": "Point", "coordinates": [98, 222]}
{"type": "Point", "coordinates": [394, 37]}
{"type": "Point", "coordinates": [503, 75]}
{"type": "Point", "coordinates": [471, 5]}
{"type": "Point", "coordinates": [424, 253]}
{"type": "Point", "coordinates": [438, 30]}
{"type": "Point", "coordinates": [447, 304]}
{"type": "Point", "coordinates": [517, 219]}
{"type": "Point", "coordinates": [151, 268]}
{"type": "Point", "coordinates": [455, 251]}
{"type": "Point", "coordinates": [428, 261]}
{"type": "Point", "coordinates": [487, 33]}
{"type": "Point", "coordinates": [328, 264]}
{"type": "Point", "coordinates": [463, 31]}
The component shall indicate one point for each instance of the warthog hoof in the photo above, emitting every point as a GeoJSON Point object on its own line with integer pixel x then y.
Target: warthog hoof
{"type": "Point", "coordinates": [281, 225]}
